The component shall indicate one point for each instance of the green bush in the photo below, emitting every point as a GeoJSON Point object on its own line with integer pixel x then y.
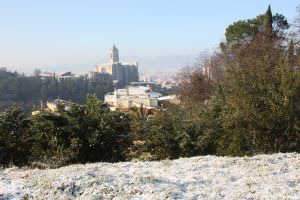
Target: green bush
{"type": "Point", "coordinates": [15, 140]}
{"type": "Point", "coordinates": [88, 133]}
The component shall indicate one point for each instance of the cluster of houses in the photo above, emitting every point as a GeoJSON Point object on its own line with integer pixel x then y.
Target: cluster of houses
{"type": "Point", "coordinates": [132, 94]}
{"type": "Point", "coordinates": [136, 94]}
{"type": "Point", "coordinates": [53, 104]}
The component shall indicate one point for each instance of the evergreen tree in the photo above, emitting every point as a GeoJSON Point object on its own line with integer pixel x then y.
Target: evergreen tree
{"type": "Point", "coordinates": [260, 97]}
{"type": "Point", "coordinates": [15, 140]}
{"type": "Point", "coordinates": [268, 21]}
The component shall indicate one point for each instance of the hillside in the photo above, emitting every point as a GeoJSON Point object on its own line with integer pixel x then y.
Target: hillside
{"type": "Point", "coordinates": [274, 176]}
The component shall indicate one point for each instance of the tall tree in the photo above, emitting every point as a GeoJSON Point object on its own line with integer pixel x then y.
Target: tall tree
{"type": "Point", "coordinates": [268, 21]}
{"type": "Point", "coordinates": [260, 96]}
{"type": "Point", "coordinates": [241, 33]}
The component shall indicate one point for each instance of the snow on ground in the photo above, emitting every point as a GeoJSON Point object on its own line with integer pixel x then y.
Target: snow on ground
{"type": "Point", "coordinates": [274, 176]}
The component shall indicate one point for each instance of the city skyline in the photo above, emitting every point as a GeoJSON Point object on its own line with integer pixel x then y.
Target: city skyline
{"type": "Point", "coordinates": [73, 35]}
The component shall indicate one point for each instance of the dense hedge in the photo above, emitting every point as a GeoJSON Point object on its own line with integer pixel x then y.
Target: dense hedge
{"type": "Point", "coordinates": [81, 134]}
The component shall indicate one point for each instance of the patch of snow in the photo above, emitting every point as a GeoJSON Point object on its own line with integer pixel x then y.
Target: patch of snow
{"type": "Point", "coordinates": [274, 176]}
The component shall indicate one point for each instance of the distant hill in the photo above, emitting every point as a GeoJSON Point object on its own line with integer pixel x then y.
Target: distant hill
{"type": "Point", "coordinates": [146, 64]}
{"type": "Point", "coordinates": [165, 63]}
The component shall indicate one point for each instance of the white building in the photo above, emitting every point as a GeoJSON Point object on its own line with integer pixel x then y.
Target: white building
{"type": "Point", "coordinates": [132, 97]}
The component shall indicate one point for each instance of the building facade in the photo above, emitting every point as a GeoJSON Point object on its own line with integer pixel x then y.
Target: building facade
{"type": "Point", "coordinates": [124, 73]}
{"type": "Point", "coordinates": [132, 96]}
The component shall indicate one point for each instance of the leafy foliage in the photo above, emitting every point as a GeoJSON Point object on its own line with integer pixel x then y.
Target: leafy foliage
{"type": "Point", "coordinates": [241, 33]}
{"type": "Point", "coordinates": [184, 132]}
{"type": "Point", "coordinates": [82, 134]}
{"type": "Point", "coordinates": [15, 140]}
{"type": "Point", "coordinates": [252, 107]}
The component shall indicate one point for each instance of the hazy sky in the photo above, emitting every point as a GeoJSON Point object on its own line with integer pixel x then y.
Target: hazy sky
{"type": "Point", "coordinates": [73, 33]}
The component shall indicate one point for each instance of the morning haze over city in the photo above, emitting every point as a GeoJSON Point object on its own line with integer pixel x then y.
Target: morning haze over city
{"type": "Point", "coordinates": [160, 99]}
{"type": "Point", "coordinates": [74, 35]}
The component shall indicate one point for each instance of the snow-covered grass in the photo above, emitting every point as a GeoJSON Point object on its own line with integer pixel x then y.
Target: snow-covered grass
{"type": "Point", "coordinates": [274, 176]}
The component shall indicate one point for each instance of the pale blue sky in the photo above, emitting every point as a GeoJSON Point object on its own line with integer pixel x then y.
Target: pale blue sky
{"type": "Point", "coordinates": [74, 34]}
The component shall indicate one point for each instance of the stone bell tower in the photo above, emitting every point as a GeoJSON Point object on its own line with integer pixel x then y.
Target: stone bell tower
{"type": "Point", "coordinates": [114, 55]}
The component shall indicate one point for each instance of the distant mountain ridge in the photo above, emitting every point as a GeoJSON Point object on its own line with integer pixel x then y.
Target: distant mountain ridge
{"type": "Point", "coordinates": [147, 64]}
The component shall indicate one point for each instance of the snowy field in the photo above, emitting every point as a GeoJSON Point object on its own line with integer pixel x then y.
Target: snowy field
{"type": "Point", "coordinates": [260, 177]}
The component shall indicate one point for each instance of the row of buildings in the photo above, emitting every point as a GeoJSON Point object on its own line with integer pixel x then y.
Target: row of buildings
{"type": "Point", "coordinates": [123, 100]}
{"type": "Point", "coordinates": [138, 96]}
{"type": "Point", "coordinates": [121, 73]}
{"type": "Point", "coordinates": [130, 92]}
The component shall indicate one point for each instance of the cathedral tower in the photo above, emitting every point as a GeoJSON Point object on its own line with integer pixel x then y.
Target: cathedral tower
{"type": "Point", "coordinates": [114, 55]}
